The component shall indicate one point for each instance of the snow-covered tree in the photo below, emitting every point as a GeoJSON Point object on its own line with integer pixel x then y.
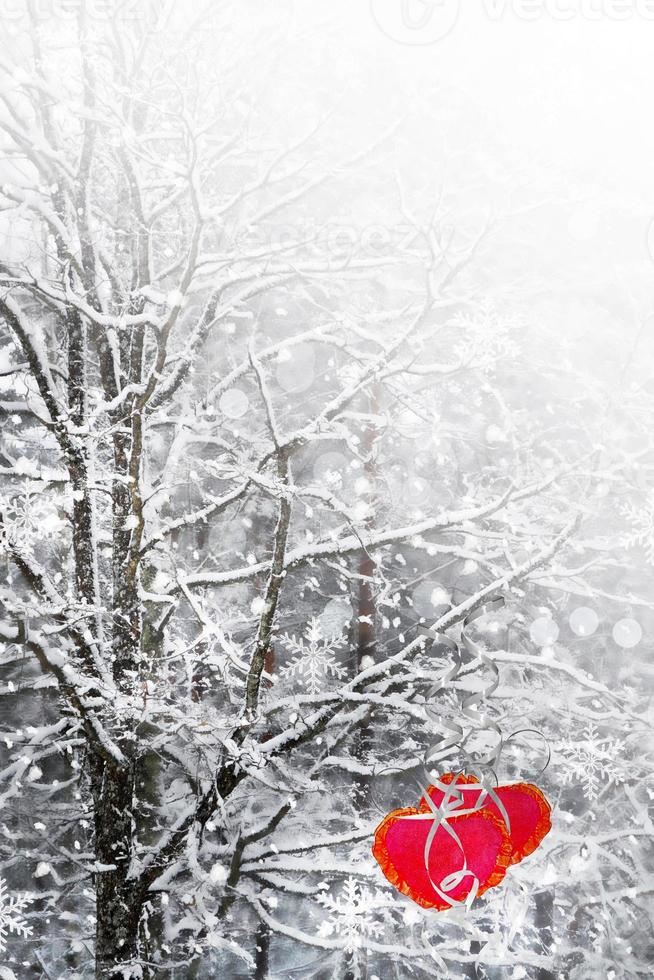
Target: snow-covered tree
{"type": "Point", "coordinates": [258, 429]}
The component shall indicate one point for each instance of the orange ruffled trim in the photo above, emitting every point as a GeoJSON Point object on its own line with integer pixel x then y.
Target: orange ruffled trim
{"type": "Point", "coordinates": [380, 853]}
{"type": "Point", "coordinates": [542, 828]}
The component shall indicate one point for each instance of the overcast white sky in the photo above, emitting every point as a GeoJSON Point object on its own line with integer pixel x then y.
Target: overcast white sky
{"type": "Point", "coordinates": [565, 101]}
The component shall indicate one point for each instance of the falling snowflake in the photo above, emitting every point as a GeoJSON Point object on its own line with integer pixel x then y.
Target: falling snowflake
{"type": "Point", "coordinates": [592, 761]}
{"type": "Point", "coordinates": [314, 659]}
{"type": "Point", "coordinates": [11, 917]}
{"type": "Point", "coordinates": [30, 519]}
{"type": "Point", "coordinates": [351, 915]}
{"type": "Point", "coordinates": [487, 338]}
{"type": "Point", "coordinates": [641, 520]}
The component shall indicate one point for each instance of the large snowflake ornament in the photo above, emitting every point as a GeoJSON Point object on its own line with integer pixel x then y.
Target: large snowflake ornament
{"type": "Point", "coordinates": [30, 518]}
{"type": "Point", "coordinates": [641, 520]}
{"type": "Point", "coordinates": [11, 915]}
{"type": "Point", "coordinates": [352, 915]}
{"type": "Point", "coordinates": [487, 338]}
{"type": "Point", "coordinates": [314, 661]}
{"type": "Point", "coordinates": [592, 761]}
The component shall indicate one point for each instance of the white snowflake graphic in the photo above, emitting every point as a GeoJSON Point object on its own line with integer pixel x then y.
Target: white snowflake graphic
{"type": "Point", "coordinates": [487, 338]}
{"type": "Point", "coordinates": [351, 915]}
{"type": "Point", "coordinates": [11, 915]}
{"type": "Point", "coordinates": [592, 761]}
{"type": "Point", "coordinates": [29, 518]}
{"type": "Point", "coordinates": [314, 661]}
{"type": "Point", "coordinates": [641, 520]}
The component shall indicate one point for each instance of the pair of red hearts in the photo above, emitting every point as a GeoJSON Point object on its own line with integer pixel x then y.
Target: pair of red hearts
{"type": "Point", "coordinates": [488, 845]}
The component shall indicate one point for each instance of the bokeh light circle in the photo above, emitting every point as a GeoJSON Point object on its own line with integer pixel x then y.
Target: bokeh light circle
{"type": "Point", "coordinates": [544, 631]}
{"type": "Point", "coordinates": [336, 615]}
{"type": "Point", "coordinates": [583, 621]}
{"type": "Point", "coordinates": [627, 633]}
{"type": "Point", "coordinates": [234, 403]}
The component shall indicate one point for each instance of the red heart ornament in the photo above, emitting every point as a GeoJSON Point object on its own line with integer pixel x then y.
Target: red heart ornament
{"type": "Point", "coordinates": [400, 850]}
{"type": "Point", "coordinates": [528, 810]}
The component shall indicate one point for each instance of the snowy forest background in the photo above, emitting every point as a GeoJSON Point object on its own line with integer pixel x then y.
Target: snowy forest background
{"type": "Point", "coordinates": [310, 336]}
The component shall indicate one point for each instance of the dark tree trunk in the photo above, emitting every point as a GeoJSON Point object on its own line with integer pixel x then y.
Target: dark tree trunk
{"type": "Point", "coordinates": [262, 955]}
{"type": "Point", "coordinates": [118, 907]}
{"type": "Point", "coordinates": [126, 599]}
{"type": "Point", "coordinates": [365, 648]}
{"type": "Point", "coordinates": [472, 970]}
{"type": "Point", "coordinates": [118, 903]}
{"type": "Point", "coordinates": [366, 607]}
{"type": "Point", "coordinates": [544, 912]}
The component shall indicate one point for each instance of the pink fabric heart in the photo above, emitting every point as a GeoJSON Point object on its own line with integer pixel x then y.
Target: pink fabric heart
{"type": "Point", "coordinates": [399, 848]}
{"type": "Point", "coordinates": [528, 810]}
